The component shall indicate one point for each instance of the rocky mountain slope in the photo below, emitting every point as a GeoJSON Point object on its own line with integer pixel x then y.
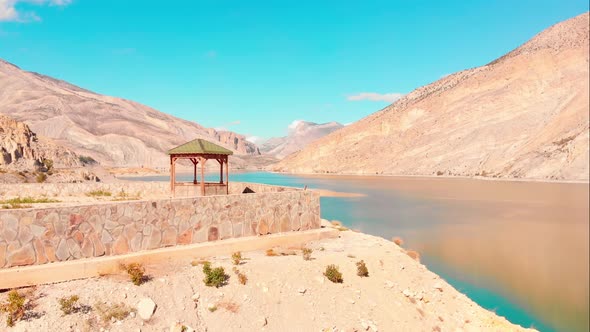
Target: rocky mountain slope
{"type": "Point", "coordinates": [300, 135]}
{"type": "Point", "coordinates": [113, 131]}
{"type": "Point", "coordinates": [524, 115]}
{"type": "Point", "coordinates": [20, 148]}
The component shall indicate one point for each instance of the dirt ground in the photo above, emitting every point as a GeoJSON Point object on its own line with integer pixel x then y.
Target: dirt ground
{"type": "Point", "coordinates": [283, 293]}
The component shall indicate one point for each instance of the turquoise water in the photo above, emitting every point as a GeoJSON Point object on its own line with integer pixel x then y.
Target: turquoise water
{"type": "Point", "coordinates": [461, 227]}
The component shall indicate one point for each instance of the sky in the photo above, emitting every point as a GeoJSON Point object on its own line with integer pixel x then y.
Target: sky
{"type": "Point", "coordinates": [254, 67]}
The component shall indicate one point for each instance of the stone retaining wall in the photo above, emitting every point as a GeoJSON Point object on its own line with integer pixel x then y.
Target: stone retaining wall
{"type": "Point", "coordinates": [44, 235]}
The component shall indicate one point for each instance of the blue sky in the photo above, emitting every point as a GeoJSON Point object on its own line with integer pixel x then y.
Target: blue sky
{"type": "Point", "coordinates": [255, 66]}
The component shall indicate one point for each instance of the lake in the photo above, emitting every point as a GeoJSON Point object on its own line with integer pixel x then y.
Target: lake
{"type": "Point", "coordinates": [517, 248]}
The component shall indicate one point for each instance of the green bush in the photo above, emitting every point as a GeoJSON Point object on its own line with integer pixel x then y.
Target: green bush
{"type": "Point", "coordinates": [333, 274]}
{"type": "Point", "coordinates": [214, 277]}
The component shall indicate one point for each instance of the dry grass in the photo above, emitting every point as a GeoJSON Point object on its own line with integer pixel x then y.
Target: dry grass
{"type": "Point", "coordinates": [333, 274]}
{"type": "Point", "coordinates": [24, 202]}
{"type": "Point", "coordinates": [68, 305]}
{"type": "Point", "coordinates": [236, 258]}
{"type": "Point", "coordinates": [306, 252]}
{"type": "Point", "coordinates": [336, 223]}
{"type": "Point", "coordinates": [361, 269]}
{"type": "Point", "coordinates": [136, 273]}
{"type": "Point", "coordinates": [14, 307]}
{"type": "Point", "coordinates": [107, 312]}
{"type": "Point", "coordinates": [229, 306]}
{"type": "Point", "coordinates": [413, 254]}
{"type": "Point", "coordinates": [242, 278]}
{"type": "Point", "coordinates": [98, 193]}
{"type": "Point", "coordinates": [199, 262]}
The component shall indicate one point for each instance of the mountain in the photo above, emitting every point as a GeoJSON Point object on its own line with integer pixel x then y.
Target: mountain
{"type": "Point", "coordinates": [113, 131]}
{"type": "Point", "coordinates": [22, 149]}
{"type": "Point", "coordinates": [525, 115]}
{"type": "Point", "coordinates": [301, 133]}
{"type": "Point", "coordinates": [26, 157]}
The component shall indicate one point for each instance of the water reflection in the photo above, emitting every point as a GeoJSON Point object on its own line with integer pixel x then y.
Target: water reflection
{"type": "Point", "coordinates": [520, 248]}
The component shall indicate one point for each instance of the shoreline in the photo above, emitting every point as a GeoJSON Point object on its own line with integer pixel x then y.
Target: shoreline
{"type": "Point", "coordinates": [445, 177]}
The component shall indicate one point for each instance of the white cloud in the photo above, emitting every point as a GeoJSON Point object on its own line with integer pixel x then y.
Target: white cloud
{"type": "Point", "coordinates": [9, 12]}
{"type": "Point", "coordinates": [294, 124]}
{"type": "Point", "coordinates": [255, 139]}
{"type": "Point", "coordinates": [373, 96]}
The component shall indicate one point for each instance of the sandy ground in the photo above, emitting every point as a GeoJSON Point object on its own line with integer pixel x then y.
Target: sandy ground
{"type": "Point", "coordinates": [283, 293]}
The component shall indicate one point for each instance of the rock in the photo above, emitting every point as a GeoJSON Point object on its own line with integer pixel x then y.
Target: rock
{"type": "Point", "coordinates": [407, 293]}
{"type": "Point", "coordinates": [389, 284]}
{"type": "Point", "coordinates": [301, 290]}
{"type": "Point", "coordinates": [146, 308]}
{"type": "Point", "coordinates": [438, 286]}
{"type": "Point", "coordinates": [263, 321]}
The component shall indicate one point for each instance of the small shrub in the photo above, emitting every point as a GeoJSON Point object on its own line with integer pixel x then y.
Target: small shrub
{"type": "Point", "coordinates": [306, 252]}
{"type": "Point", "coordinates": [48, 164]}
{"type": "Point", "coordinates": [270, 252]}
{"type": "Point", "coordinates": [213, 308]}
{"type": "Point", "coordinates": [14, 307]}
{"type": "Point", "coordinates": [107, 312]}
{"type": "Point", "coordinates": [229, 306]}
{"type": "Point", "coordinates": [241, 277]}
{"type": "Point", "coordinates": [86, 160]}
{"type": "Point", "coordinates": [413, 254]}
{"type": "Point", "coordinates": [351, 256]}
{"type": "Point", "coordinates": [214, 277]}
{"type": "Point", "coordinates": [136, 273]}
{"type": "Point", "coordinates": [398, 240]}
{"type": "Point", "coordinates": [68, 305]}
{"type": "Point", "coordinates": [361, 269]}
{"type": "Point", "coordinates": [236, 257]}
{"type": "Point", "coordinates": [41, 177]}
{"type": "Point", "coordinates": [98, 193]}
{"type": "Point", "coordinates": [439, 173]}
{"type": "Point", "coordinates": [333, 274]}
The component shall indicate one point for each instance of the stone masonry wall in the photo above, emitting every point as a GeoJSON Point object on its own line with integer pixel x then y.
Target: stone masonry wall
{"type": "Point", "coordinates": [44, 235]}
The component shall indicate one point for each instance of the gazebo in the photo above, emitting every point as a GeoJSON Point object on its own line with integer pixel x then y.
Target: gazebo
{"type": "Point", "coordinates": [198, 151]}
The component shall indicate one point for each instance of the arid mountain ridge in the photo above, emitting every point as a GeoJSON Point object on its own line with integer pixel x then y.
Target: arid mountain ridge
{"type": "Point", "coordinates": [524, 115]}
{"type": "Point", "coordinates": [113, 131]}
{"type": "Point", "coordinates": [20, 148]}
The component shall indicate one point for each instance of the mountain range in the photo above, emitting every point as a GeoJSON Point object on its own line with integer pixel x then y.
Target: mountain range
{"type": "Point", "coordinates": [524, 115]}
{"type": "Point", "coordinates": [113, 131]}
